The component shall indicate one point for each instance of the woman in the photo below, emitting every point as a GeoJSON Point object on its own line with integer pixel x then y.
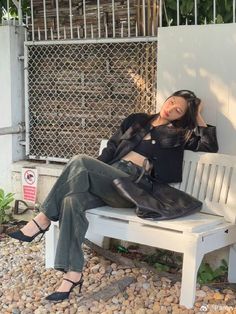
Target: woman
{"type": "Point", "coordinates": [87, 182]}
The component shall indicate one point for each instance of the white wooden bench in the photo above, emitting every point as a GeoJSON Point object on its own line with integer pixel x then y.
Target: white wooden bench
{"type": "Point", "coordinates": [209, 177]}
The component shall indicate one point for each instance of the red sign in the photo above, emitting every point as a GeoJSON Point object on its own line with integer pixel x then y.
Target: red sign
{"type": "Point", "coordinates": [29, 184]}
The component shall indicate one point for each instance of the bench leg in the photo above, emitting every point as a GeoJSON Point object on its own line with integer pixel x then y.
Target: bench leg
{"type": "Point", "coordinates": [98, 239]}
{"type": "Point", "coordinates": [232, 263]}
{"type": "Point", "coordinates": [191, 263]}
{"type": "Point", "coordinates": [51, 245]}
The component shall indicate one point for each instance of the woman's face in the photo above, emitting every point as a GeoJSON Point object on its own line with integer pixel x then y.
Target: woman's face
{"type": "Point", "coordinates": [173, 108]}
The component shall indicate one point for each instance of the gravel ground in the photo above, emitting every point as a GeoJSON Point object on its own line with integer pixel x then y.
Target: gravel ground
{"type": "Point", "coordinates": [24, 282]}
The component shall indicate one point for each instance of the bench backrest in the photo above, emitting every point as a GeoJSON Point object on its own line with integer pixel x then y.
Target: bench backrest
{"type": "Point", "coordinates": [212, 179]}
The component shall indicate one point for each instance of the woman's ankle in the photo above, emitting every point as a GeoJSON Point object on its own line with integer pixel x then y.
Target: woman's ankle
{"type": "Point", "coordinates": [66, 285]}
{"type": "Point", "coordinates": [73, 275]}
{"type": "Point", "coordinates": [43, 219]}
{"type": "Point", "coordinates": [31, 227]}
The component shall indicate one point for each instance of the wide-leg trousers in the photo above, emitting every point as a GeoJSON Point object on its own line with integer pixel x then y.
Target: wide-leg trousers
{"type": "Point", "coordinates": [85, 183]}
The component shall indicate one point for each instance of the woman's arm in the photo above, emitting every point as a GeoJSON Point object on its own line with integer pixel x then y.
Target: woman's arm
{"type": "Point", "coordinates": [203, 138]}
{"type": "Point", "coordinates": [200, 120]}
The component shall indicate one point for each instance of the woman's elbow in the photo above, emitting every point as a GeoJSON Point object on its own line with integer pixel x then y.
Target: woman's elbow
{"type": "Point", "coordinates": [213, 148]}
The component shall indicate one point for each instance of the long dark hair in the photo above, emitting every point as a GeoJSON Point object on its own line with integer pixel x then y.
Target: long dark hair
{"type": "Point", "coordinates": [188, 120]}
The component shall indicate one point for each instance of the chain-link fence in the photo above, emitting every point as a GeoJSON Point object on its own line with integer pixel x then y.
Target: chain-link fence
{"type": "Point", "coordinates": [78, 94]}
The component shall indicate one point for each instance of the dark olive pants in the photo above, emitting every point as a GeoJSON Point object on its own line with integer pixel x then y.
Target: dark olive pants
{"type": "Point", "coordinates": [85, 183]}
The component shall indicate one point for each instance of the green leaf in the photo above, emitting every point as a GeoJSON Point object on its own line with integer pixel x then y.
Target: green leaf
{"type": "Point", "coordinates": [9, 195]}
{"type": "Point", "coordinates": [228, 5]}
{"type": "Point", "coordinates": [186, 7]}
{"type": "Point", "coordinates": [224, 263]}
{"type": "Point", "coordinates": [205, 11]}
{"type": "Point", "coordinates": [171, 4]}
{"type": "Point", "coordinates": [161, 267]}
{"type": "Point", "coordinates": [5, 201]}
{"type": "Point", "coordinates": [1, 193]}
{"type": "Point", "coordinates": [219, 19]}
{"type": "Point", "coordinates": [207, 274]}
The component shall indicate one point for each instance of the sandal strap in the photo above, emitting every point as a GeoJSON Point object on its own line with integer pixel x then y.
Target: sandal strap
{"type": "Point", "coordinates": [37, 225]}
{"type": "Point", "coordinates": [75, 283]}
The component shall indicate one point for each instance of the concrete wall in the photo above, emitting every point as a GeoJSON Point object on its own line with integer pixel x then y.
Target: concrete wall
{"type": "Point", "coordinates": [47, 176]}
{"type": "Point", "coordinates": [11, 102]}
{"type": "Point", "coordinates": [202, 58]}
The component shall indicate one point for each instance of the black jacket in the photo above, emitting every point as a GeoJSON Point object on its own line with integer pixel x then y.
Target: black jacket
{"type": "Point", "coordinates": [167, 159]}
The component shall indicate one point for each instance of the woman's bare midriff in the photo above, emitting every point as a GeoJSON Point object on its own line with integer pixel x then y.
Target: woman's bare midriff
{"type": "Point", "coordinates": [137, 159]}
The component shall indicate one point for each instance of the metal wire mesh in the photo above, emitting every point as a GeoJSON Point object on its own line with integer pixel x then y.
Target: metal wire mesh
{"type": "Point", "coordinates": [79, 93]}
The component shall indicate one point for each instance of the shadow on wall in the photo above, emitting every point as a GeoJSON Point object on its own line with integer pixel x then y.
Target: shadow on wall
{"type": "Point", "coordinates": [202, 58]}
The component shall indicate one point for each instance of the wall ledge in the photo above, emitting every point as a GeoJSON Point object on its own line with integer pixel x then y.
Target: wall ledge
{"type": "Point", "coordinates": [43, 168]}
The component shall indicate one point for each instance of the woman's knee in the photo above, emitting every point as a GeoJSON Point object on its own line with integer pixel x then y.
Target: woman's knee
{"type": "Point", "coordinates": [83, 161]}
{"type": "Point", "coordinates": [73, 215]}
{"type": "Point", "coordinates": [80, 159]}
{"type": "Point", "coordinates": [76, 162]}
{"type": "Point", "coordinates": [71, 204]}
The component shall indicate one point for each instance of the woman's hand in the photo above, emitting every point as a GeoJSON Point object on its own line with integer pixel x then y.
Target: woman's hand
{"type": "Point", "coordinates": [200, 108]}
{"type": "Point", "coordinates": [200, 120]}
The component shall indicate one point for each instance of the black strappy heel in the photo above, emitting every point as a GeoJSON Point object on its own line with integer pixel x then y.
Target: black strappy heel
{"type": "Point", "coordinates": [19, 235]}
{"type": "Point", "coordinates": [60, 296]}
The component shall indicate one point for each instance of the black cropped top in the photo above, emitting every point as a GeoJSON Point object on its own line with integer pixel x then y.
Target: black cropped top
{"type": "Point", "coordinates": [146, 147]}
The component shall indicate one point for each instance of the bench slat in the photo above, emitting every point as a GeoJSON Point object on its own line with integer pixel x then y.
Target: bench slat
{"type": "Point", "coordinates": [225, 185]}
{"type": "Point", "coordinates": [211, 182]}
{"type": "Point", "coordinates": [204, 182]}
{"type": "Point", "coordinates": [218, 183]}
{"type": "Point", "coordinates": [191, 177]}
{"type": "Point", "coordinates": [197, 180]}
{"type": "Point", "coordinates": [184, 175]}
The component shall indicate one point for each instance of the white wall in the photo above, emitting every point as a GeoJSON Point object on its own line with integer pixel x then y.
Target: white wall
{"type": "Point", "coordinates": [203, 59]}
{"type": "Point", "coordinates": [11, 101]}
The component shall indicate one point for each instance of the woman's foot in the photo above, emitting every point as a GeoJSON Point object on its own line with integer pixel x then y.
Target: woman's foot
{"type": "Point", "coordinates": [30, 229]}
{"type": "Point", "coordinates": [39, 225]}
{"type": "Point", "coordinates": [70, 280]}
{"type": "Point", "coordinates": [66, 285]}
